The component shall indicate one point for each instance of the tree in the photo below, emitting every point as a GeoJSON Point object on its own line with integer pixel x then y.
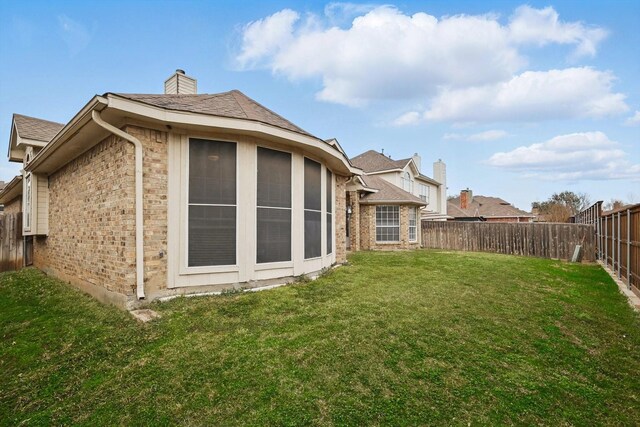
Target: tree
{"type": "Point", "coordinates": [561, 206]}
{"type": "Point", "coordinates": [613, 204]}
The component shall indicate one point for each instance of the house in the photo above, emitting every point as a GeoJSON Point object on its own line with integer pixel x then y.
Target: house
{"type": "Point", "coordinates": [145, 196]}
{"type": "Point", "coordinates": [406, 174]}
{"type": "Point", "coordinates": [386, 204]}
{"type": "Point", "coordinates": [467, 207]}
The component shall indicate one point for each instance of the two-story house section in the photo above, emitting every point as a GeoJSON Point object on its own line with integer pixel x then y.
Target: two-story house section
{"type": "Point", "coordinates": [406, 174]}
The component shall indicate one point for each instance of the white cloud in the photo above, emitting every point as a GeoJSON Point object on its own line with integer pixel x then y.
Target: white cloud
{"type": "Point", "coordinates": [386, 54]}
{"type": "Point", "coordinates": [74, 34]}
{"type": "Point", "coordinates": [410, 118]}
{"type": "Point", "coordinates": [543, 26]}
{"type": "Point", "coordinates": [576, 156]}
{"type": "Point", "coordinates": [488, 135]}
{"type": "Point", "coordinates": [633, 120]}
{"type": "Point", "coordinates": [263, 37]}
{"type": "Point", "coordinates": [532, 95]}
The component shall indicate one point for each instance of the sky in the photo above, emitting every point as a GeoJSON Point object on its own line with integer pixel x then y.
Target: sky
{"type": "Point", "coordinates": [520, 100]}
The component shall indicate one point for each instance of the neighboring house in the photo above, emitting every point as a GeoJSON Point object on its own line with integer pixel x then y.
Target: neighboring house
{"type": "Point", "coordinates": [468, 207]}
{"type": "Point", "coordinates": [386, 204]}
{"type": "Point", "coordinates": [144, 196]}
{"type": "Point", "coordinates": [406, 174]}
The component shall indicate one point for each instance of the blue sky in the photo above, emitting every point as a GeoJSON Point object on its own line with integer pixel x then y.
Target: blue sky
{"type": "Point", "coordinates": [521, 100]}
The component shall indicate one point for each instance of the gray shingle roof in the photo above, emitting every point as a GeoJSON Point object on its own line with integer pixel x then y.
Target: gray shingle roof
{"type": "Point", "coordinates": [233, 104]}
{"type": "Point", "coordinates": [38, 129]}
{"type": "Point", "coordinates": [483, 206]}
{"type": "Point", "coordinates": [372, 161]}
{"type": "Point", "coordinates": [387, 193]}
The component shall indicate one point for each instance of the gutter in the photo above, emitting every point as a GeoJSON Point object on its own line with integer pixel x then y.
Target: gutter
{"type": "Point", "coordinates": [97, 118]}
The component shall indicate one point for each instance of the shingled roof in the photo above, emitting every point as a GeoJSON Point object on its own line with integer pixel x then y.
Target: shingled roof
{"type": "Point", "coordinates": [387, 193]}
{"type": "Point", "coordinates": [486, 207]}
{"type": "Point", "coordinates": [37, 129]}
{"type": "Point", "coordinates": [372, 161]}
{"type": "Point", "coordinates": [232, 104]}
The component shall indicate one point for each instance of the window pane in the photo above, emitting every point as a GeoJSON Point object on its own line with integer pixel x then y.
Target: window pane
{"type": "Point", "coordinates": [274, 178]}
{"type": "Point", "coordinates": [212, 172]}
{"type": "Point", "coordinates": [387, 223]}
{"type": "Point", "coordinates": [312, 192]}
{"type": "Point", "coordinates": [329, 233]}
{"type": "Point", "coordinates": [312, 234]}
{"type": "Point", "coordinates": [274, 235]}
{"type": "Point", "coordinates": [212, 235]}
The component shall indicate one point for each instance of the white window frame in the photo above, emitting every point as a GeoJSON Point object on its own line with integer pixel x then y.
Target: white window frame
{"type": "Point", "coordinates": [275, 264]}
{"type": "Point", "coordinates": [184, 263]}
{"type": "Point", "coordinates": [424, 193]}
{"type": "Point", "coordinates": [28, 201]}
{"type": "Point", "coordinates": [413, 224]}
{"type": "Point", "coordinates": [387, 225]}
{"type": "Point", "coordinates": [322, 210]}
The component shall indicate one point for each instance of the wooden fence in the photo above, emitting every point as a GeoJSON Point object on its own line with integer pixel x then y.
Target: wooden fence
{"type": "Point", "coordinates": [11, 242]}
{"type": "Point", "coordinates": [618, 235]}
{"type": "Point", "coordinates": [545, 240]}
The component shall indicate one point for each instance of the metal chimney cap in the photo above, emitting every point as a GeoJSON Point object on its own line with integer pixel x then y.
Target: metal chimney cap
{"type": "Point", "coordinates": [179, 71]}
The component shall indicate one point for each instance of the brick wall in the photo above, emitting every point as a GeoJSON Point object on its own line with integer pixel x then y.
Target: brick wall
{"type": "Point", "coordinates": [91, 220]}
{"type": "Point", "coordinates": [341, 220]}
{"type": "Point", "coordinates": [354, 221]}
{"type": "Point", "coordinates": [92, 216]}
{"type": "Point", "coordinates": [154, 180]}
{"type": "Point", "coordinates": [368, 230]}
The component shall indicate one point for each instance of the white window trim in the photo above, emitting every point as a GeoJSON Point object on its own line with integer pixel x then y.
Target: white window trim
{"type": "Point", "coordinates": [415, 224]}
{"type": "Point", "coordinates": [278, 264]}
{"type": "Point", "coordinates": [184, 253]}
{"type": "Point", "coordinates": [387, 226]}
{"type": "Point", "coordinates": [28, 202]}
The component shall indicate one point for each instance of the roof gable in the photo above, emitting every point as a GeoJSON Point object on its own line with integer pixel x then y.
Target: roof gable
{"type": "Point", "coordinates": [29, 131]}
{"type": "Point", "coordinates": [372, 161]}
{"type": "Point", "coordinates": [387, 193]}
{"type": "Point", "coordinates": [36, 129]}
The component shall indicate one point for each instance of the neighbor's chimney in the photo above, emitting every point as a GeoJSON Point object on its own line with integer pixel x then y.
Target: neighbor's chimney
{"type": "Point", "coordinates": [417, 160]}
{"type": "Point", "coordinates": [466, 197]}
{"type": "Point", "coordinates": [440, 175]}
{"type": "Point", "coordinates": [180, 84]}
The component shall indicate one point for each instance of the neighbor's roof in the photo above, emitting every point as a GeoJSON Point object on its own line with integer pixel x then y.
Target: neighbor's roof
{"type": "Point", "coordinates": [387, 193]}
{"type": "Point", "coordinates": [483, 206]}
{"type": "Point", "coordinates": [12, 190]}
{"type": "Point", "coordinates": [232, 104]}
{"type": "Point", "coordinates": [372, 161]}
{"type": "Point", "coordinates": [38, 129]}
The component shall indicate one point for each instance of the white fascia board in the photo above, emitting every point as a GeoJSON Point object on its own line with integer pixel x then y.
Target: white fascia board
{"type": "Point", "coordinates": [385, 171]}
{"type": "Point", "coordinates": [30, 142]}
{"type": "Point", "coordinates": [80, 119]}
{"type": "Point", "coordinates": [177, 118]}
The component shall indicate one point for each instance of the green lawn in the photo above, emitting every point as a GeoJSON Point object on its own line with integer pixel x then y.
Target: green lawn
{"type": "Point", "coordinates": [402, 338]}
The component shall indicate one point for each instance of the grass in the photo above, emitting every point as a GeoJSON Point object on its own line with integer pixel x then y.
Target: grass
{"type": "Point", "coordinates": [401, 338]}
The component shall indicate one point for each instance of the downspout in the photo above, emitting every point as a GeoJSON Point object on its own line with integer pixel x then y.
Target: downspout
{"type": "Point", "coordinates": [97, 118]}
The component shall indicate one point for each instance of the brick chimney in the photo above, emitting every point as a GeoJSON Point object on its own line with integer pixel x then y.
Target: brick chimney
{"type": "Point", "coordinates": [180, 84]}
{"type": "Point", "coordinates": [466, 197]}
